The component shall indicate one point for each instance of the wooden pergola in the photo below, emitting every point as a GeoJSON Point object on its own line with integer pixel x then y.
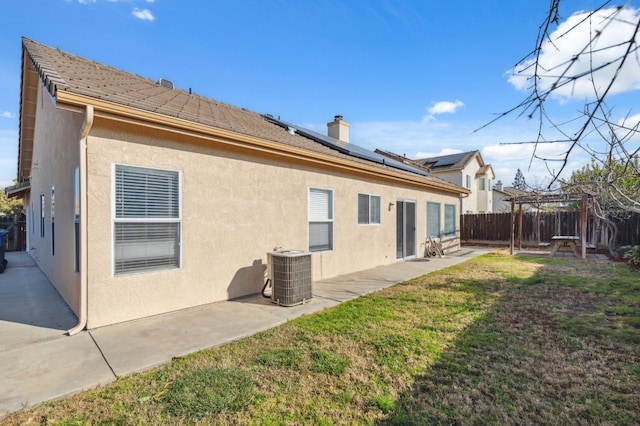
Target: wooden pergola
{"type": "Point", "coordinates": [539, 198]}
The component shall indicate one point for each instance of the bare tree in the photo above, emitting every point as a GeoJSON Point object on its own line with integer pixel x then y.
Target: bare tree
{"type": "Point", "coordinates": [607, 56]}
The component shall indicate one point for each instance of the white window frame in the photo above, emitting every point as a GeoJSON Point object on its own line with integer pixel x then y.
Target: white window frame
{"type": "Point", "coordinates": [370, 218]}
{"type": "Point", "coordinates": [316, 219]}
{"type": "Point", "coordinates": [115, 220]}
{"type": "Point", "coordinates": [468, 182]}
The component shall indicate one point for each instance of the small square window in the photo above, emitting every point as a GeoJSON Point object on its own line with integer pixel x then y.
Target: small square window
{"type": "Point", "coordinates": [368, 209]}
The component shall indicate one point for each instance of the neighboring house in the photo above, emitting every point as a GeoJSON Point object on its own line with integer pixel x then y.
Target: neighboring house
{"type": "Point", "coordinates": [502, 196]}
{"type": "Point", "coordinates": [466, 169]}
{"type": "Point", "coordinates": [143, 199]}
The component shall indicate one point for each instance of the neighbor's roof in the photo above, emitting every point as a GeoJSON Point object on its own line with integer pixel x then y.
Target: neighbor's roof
{"type": "Point", "coordinates": [442, 163]}
{"type": "Point", "coordinates": [63, 73]}
{"type": "Point", "coordinates": [484, 170]}
{"type": "Point", "coordinates": [449, 162]}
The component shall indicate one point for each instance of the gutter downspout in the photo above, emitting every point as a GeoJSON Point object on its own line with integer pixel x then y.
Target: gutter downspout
{"type": "Point", "coordinates": [84, 133]}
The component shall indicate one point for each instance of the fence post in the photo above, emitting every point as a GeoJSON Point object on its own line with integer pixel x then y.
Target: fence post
{"type": "Point", "coordinates": [512, 222]}
{"type": "Point", "coordinates": [583, 226]}
{"type": "Point", "coordinates": [520, 227]}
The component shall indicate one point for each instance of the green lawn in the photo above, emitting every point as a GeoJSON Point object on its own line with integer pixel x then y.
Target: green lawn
{"type": "Point", "coordinates": [495, 340]}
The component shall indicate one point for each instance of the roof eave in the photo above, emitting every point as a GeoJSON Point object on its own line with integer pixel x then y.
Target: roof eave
{"type": "Point", "coordinates": [108, 110]}
{"type": "Point", "coordinates": [29, 83]}
{"type": "Point", "coordinates": [18, 190]}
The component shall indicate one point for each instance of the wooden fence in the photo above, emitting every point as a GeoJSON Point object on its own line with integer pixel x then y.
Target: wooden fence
{"type": "Point", "coordinates": [16, 240]}
{"type": "Point", "coordinates": [539, 227]}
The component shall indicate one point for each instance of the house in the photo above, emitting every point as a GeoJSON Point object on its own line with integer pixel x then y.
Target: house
{"type": "Point", "coordinates": [466, 169]}
{"type": "Point", "coordinates": [143, 199]}
{"type": "Point", "coordinates": [502, 196]}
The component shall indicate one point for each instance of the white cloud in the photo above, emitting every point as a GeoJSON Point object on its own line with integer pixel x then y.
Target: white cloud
{"type": "Point", "coordinates": [86, 1]}
{"type": "Point", "coordinates": [144, 14]}
{"type": "Point", "coordinates": [569, 39]}
{"type": "Point", "coordinates": [420, 139]}
{"type": "Point", "coordinates": [7, 114]}
{"type": "Point", "coordinates": [443, 107]}
{"type": "Point", "coordinates": [629, 127]}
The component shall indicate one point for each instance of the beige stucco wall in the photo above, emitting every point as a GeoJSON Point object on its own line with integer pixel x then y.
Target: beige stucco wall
{"type": "Point", "coordinates": [500, 205]}
{"type": "Point", "coordinates": [55, 155]}
{"type": "Point", "coordinates": [485, 197]}
{"type": "Point", "coordinates": [236, 207]}
{"type": "Point", "coordinates": [478, 200]}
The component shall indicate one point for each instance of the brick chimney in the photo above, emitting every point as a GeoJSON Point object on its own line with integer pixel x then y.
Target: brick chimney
{"type": "Point", "coordinates": [339, 129]}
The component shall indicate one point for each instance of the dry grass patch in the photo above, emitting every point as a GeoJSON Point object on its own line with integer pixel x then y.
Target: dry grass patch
{"type": "Point", "coordinates": [497, 339]}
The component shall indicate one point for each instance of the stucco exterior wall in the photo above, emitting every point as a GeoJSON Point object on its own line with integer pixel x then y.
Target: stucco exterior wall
{"type": "Point", "coordinates": [236, 206]}
{"type": "Point", "coordinates": [470, 203]}
{"type": "Point", "coordinates": [499, 203]}
{"type": "Point", "coordinates": [55, 155]}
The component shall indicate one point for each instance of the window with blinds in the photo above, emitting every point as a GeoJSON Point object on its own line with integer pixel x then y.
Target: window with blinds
{"type": "Point", "coordinates": [449, 220]}
{"type": "Point", "coordinates": [147, 220]}
{"type": "Point", "coordinates": [433, 220]}
{"type": "Point", "coordinates": [368, 209]}
{"type": "Point", "coordinates": [320, 219]}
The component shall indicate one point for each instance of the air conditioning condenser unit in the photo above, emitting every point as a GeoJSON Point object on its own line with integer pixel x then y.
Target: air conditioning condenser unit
{"type": "Point", "coordinates": [290, 275]}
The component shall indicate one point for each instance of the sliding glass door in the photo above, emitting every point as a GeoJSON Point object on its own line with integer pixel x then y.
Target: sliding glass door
{"type": "Point", "coordinates": [405, 229]}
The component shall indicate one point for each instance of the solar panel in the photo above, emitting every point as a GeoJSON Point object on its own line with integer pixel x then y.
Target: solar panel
{"type": "Point", "coordinates": [347, 148]}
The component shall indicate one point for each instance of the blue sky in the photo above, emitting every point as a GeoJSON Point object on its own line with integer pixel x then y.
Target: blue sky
{"type": "Point", "coordinates": [412, 77]}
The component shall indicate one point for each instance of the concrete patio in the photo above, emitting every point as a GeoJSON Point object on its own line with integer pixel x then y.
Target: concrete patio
{"type": "Point", "coordinates": [40, 362]}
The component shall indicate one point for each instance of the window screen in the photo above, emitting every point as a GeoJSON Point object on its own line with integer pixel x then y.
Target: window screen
{"type": "Point", "coordinates": [147, 220]}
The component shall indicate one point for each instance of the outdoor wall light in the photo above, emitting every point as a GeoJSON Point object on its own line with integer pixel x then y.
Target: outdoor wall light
{"type": "Point", "coordinates": [391, 205]}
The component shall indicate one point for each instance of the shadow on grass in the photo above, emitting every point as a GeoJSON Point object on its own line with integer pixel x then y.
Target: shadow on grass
{"type": "Point", "coordinates": [558, 346]}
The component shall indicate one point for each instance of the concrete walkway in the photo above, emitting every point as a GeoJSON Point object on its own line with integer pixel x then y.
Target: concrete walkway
{"type": "Point", "coordinates": [40, 363]}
